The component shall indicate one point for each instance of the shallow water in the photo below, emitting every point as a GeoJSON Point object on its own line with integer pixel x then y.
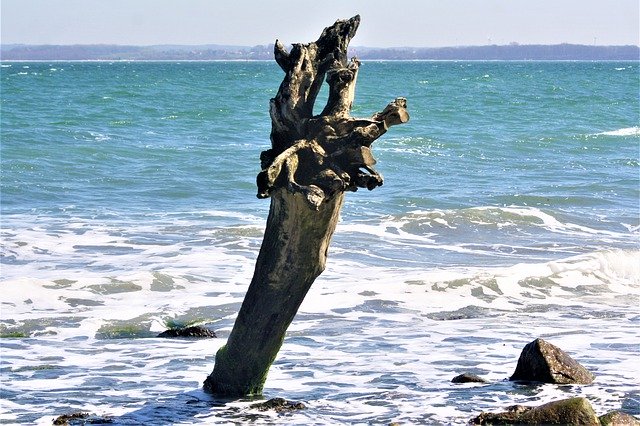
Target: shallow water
{"type": "Point", "coordinates": [509, 212]}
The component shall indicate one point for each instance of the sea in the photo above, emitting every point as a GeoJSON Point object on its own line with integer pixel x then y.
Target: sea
{"type": "Point", "coordinates": [510, 211]}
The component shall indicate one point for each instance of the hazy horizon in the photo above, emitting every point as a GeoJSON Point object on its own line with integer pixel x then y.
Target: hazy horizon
{"type": "Point", "coordinates": [355, 46]}
{"type": "Point", "coordinates": [416, 23]}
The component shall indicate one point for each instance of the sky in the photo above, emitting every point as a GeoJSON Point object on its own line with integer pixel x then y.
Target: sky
{"type": "Point", "coordinates": [385, 23]}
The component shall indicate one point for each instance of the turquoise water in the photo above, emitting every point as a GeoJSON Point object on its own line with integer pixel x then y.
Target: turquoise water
{"type": "Point", "coordinates": [510, 211]}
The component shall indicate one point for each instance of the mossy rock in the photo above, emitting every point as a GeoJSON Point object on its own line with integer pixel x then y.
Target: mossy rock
{"type": "Point", "coordinates": [616, 418]}
{"type": "Point", "coordinates": [572, 411]}
{"type": "Point", "coordinates": [279, 405]}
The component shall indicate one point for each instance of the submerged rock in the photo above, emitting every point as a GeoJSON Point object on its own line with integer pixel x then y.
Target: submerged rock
{"type": "Point", "coordinates": [65, 418]}
{"type": "Point", "coordinates": [616, 418]}
{"type": "Point", "coordinates": [572, 411]}
{"type": "Point", "coordinates": [468, 378]}
{"type": "Point", "coordinates": [540, 361]}
{"type": "Point", "coordinates": [81, 418]}
{"type": "Point", "coordinates": [279, 405]}
{"type": "Point", "coordinates": [196, 331]}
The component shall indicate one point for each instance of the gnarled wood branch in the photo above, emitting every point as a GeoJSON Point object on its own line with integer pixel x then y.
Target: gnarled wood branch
{"type": "Point", "coordinates": [336, 146]}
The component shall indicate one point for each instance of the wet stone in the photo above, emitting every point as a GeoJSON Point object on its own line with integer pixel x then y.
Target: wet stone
{"type": "Point", "coordinates": [616, 418]}
{"type": "Point", "coordinates": [468, 378]}
{"type": "Point", "coordinates": [196, 331]}
{"type": "Point", "coordinates": [279, 405]}
{"type": "Point", "coordinates": [540, 361]}
{"type": "Point", "coordinates": [81, 418]}
{"type": "Point", "coordinates": [572, 411]}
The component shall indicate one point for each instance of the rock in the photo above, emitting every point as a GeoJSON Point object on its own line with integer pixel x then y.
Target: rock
{"type": "Point", "coordinates": [512, 414]}
{"type": "Point", "coordinates": [572, 411]}
{"type": "Point", "coordinates": [616, 418]}
{"type": "Point", "coordinates": [194, 331]}
{"type": "Point", "coordinates": [541, 361]}
{"type": "Point", "coordinates": [81, 418]}
{"type": "Point", "coordinates": [279, 405]}
{"type": "Point", "coordinates": [64, 419]}
{"type": "Point", "coordinates": [468, 378]}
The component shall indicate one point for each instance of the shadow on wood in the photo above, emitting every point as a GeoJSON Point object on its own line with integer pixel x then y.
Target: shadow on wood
{"type": "Point", "coordinates": [313, 160]}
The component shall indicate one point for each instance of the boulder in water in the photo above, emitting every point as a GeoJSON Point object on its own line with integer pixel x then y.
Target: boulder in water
{"type": "Point", "coordinates": [540, 361]}
{"type": "Point", "coordinates": [616, 418]}
{"type": "Point", "coordinates": [572, 411]}
{"type": "Point", "coordinates": [279, 405]}
{"type": "Point", "coordinates": [468, 378]}
{"type": "Point", "coordinates": [80, 418]}
{"type": "Point", "coordinates": [196, 331]}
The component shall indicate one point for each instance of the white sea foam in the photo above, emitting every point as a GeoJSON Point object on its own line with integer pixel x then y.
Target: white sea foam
{"type": "Point", "coordinates": [99, 136]}
{"type": "Point", "coordinates": [617, 272]}
{"type": "Point", "coordinates": [548, 221]}
{"type": "Point", "coordinates": [371, 340]}
{"type": "Point", "coordinates": [501, 235]}
{"type": "Point", "coordinates": [627, 131]}
{"type": "Point", "coordinates": [372, 332]}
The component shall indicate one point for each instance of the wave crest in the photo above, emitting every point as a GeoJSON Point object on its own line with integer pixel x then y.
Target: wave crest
{"type": "Point", "coordinates": [627, 131]}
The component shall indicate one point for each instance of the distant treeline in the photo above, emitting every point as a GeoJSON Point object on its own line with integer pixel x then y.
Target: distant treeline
{"type": "Point", "coordinates": [140, 53]}
{"type": "Point", "coordinates": [217, 52]}
{"type": "Point", "coordinates": [558, 52]}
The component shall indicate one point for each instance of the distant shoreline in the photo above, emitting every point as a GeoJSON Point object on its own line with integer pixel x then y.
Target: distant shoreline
{"type": "Point", "coordinates": [511, 52]}
{"type": "Point", "coordinates": [195, 61]}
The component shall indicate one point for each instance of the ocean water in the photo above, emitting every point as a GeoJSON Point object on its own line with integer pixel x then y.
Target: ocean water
{"type": "Point", "coordinates": [510, 211]}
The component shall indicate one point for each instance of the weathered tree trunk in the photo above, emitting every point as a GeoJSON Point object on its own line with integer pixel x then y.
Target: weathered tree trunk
{"type": "Point", "coordinates": [312, 162]}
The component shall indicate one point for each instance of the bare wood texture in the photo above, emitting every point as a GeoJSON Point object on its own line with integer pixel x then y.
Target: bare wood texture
{"type": "Point", "coordinates": [313, 160]}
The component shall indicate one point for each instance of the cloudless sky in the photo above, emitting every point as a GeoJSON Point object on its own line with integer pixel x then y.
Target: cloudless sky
{"type": "Point", "coordinates": [385, 23]}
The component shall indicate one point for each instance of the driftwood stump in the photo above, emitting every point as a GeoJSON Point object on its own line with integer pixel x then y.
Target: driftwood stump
{"type": "Point", "coordinates": [313, 160]}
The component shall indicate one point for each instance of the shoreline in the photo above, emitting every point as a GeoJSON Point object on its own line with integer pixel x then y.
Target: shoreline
{"type": "Point", "coordinates": [511, 52]}
{"type": "Point", "coordinates": [11, 61]}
